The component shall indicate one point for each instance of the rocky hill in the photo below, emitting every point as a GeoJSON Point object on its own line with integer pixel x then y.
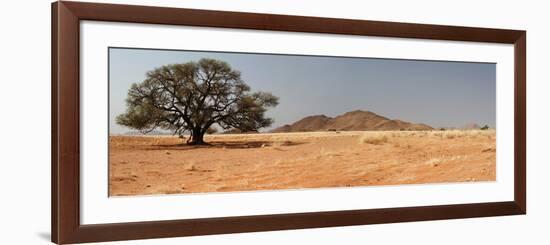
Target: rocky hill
{"type": "Point", "coordinates": [350, 121]}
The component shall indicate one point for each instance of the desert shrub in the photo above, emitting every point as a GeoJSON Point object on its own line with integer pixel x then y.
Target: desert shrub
{"type": "Point", "coordinates": [211, 130]}
{"type": "Point", "coordinates": [451, 136]}
{"type": "Point", "coordinates": [397, 134]}
{"type": "Point", "coordinates": [373, 139]}
{"type": "Point", "coordinates": [486, 127]}
{"type": "Point", "coordinates": [437, 134]}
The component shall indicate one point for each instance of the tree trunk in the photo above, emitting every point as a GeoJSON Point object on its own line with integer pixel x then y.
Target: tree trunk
{"type": "Point", "coordinates": [197, 137]}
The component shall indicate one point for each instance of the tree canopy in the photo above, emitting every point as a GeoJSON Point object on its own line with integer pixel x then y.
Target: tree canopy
{"type": "Point", "coordinates": [194, 96]}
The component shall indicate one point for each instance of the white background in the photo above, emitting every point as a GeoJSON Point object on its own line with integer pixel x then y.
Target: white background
{"type": "Point", "coordinates": [97, 208]}
{"type": "Point", "coordinates": [25, 144]}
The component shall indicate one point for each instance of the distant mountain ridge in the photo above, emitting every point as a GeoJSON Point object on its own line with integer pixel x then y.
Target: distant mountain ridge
{"type": "Point", "coordinates": [357, 120]}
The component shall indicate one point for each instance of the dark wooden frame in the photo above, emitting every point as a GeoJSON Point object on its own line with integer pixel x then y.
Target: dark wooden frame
{"type": "Point", "coordinates": [66, 227]}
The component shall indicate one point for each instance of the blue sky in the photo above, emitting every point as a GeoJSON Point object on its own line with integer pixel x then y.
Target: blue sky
{"type": "Point", "coordinates": [438, 93]}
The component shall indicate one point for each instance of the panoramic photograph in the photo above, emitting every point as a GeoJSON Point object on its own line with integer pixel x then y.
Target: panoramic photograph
{"type": "Point", "coordinates": [201, 122]}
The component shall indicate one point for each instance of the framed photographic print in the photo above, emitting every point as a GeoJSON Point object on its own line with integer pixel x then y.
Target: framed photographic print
{"type": "Point", "coordinates": [176, 122]}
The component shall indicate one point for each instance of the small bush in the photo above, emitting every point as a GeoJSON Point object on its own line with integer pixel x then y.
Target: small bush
{"type": "Point", "coordinates": [211, 130]}
{"type": "Point", "coordinates": [373, 139]}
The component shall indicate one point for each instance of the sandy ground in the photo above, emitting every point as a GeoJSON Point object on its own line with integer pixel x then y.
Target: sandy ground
{"type": "Point", "coordinates": [164, 165]}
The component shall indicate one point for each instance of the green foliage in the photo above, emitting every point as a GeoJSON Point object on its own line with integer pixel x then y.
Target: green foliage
{"type": "Point", "coordinates": [192, 97]}
{"type": "Point", "coordinates": [486, 127]}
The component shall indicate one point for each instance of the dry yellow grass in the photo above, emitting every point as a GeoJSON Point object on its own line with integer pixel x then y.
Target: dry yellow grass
{"type": "Point", "coordinates": [373, 138]}
{"type": "Point", "coordinates": [246, 162]}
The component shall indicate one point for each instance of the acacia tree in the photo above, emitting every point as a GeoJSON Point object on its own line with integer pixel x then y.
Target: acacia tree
{"type": "Point", "coordinates": [194, 96]}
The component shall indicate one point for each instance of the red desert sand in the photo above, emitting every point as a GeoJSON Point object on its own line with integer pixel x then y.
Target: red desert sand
{"type": "Point", "coordinates": [144, 165]}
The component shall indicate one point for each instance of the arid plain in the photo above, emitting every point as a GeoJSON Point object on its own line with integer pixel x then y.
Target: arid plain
{"type": "Point", "coordinates": [144, 165]}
